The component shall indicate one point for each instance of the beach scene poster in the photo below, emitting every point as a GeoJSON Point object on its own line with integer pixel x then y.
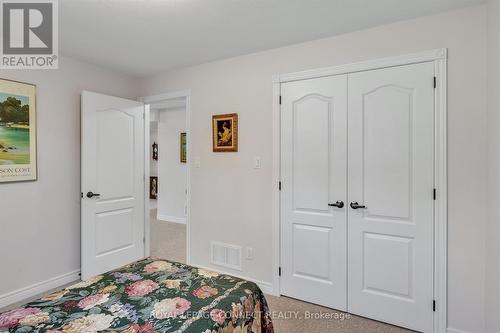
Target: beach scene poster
{"type": "Point", "coordinates": [17, 131]}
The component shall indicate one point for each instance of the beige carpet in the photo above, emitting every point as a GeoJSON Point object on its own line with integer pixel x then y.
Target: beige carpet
{"type": "Point", "coordinates": [168, 240]}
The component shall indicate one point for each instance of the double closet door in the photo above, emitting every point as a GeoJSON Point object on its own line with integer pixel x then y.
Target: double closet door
{"type": "Point", "coordinates": [357, 156]}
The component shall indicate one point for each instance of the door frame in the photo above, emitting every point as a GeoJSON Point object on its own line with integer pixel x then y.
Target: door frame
{"type": "Point", "coordinates": [440, 59]}
{"type": "Point", "coordinates": [147, 226]}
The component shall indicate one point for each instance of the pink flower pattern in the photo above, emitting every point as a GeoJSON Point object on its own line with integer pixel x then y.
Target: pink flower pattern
{"type": "Point", "coordinates": [218, 315]}
{"type": "Point", "coordinates": [141, 288]}
{"type": "Point", "coordinates": [205, 292]}
{"type": "Point", "coordinates": [90, 301]}
{"type": "Point", "coordinates": [11, 318]}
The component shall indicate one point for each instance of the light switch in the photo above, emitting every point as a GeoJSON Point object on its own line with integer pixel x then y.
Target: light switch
{"type": "Point", "coordinates": [197, 162]}
{"type": "Point", "coordinates": [249, 253]}
{"type": "Point", "coordinates": [257, 163]}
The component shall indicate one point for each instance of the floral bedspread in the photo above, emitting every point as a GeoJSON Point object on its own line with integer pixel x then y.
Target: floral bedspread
{"type": "Point", "coordinates": [151, 295]}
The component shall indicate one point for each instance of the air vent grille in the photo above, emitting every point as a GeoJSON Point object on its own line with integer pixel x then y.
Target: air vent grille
{"type": "Point", "coordinates": [225, 255]}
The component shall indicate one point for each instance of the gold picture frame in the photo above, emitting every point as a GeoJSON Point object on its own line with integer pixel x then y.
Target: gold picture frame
{"type": "Point", "coordinates": [225, 132]}
{"type": "Point", "coordinates": [18, 160]}
{"type": "Point", "coordinates": [183, 147]}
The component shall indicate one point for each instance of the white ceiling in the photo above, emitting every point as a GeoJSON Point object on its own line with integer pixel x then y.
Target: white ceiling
{"type": "Point", "coordinates": [144, 37]}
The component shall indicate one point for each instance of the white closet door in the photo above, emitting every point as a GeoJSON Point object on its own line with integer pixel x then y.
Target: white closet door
{"type": "Point", "coordinates": [314, 170]}
{"type": "Point", "coordinates": [391, 131]}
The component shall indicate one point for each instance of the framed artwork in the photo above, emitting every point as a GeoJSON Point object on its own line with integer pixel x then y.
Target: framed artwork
{"type": "Point", "coordinates": [153, 187]}
{"type": "Point", "coordinates": [17, 131]}
{"type": "Point", "coordinates": [183, 142]}
{"type": "Point", "coordinates": [225, 132]}
{"type": "Point", "coordinates": [155, 151]}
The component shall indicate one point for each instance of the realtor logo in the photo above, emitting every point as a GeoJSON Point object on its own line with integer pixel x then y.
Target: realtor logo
{"type": "Point", "coordinates": [29, 34]}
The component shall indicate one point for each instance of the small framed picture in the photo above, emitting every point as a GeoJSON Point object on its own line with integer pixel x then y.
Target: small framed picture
{"type": "Point", "coordinates": [155, 151]}
{"type": "Point", "coordinates": [225, 132]}
{"type": "Point", "coordinates": [183, 142]}
{"type": "Point", "coordinates": [153, 187]}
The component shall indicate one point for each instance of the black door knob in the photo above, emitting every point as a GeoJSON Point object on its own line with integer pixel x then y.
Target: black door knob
{"type": "Point", "coordinates": [355, 205]}
{"type": "Point", "coordinates": [338, 204]}
{"type": "Point", "coordinates": [91, 195]}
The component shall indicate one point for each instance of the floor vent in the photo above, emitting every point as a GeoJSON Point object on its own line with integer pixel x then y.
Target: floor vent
{"type": "Point", "coordinates": [225, 255]}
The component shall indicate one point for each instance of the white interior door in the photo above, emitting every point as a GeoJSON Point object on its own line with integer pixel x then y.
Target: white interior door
{"type": "Point", "coordinates": [313, 175]}
{"type": "Point", "coordinates": [112, 171]}
{"type": "Point", "coordinates": [391, 133]}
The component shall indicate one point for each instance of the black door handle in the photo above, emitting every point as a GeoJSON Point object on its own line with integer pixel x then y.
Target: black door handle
{"type": "Point", "coordinates": [338, 204]}
{"type": "Point", "coordinates": [91, 195]}
{"type": "Point", "coordinates": [355, 205]}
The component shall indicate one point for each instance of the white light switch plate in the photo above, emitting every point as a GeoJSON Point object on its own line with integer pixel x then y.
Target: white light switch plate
{"type": "Point", "coordinates": [249, 253]}
{"type": "Point", "coordinates": [257, 162]}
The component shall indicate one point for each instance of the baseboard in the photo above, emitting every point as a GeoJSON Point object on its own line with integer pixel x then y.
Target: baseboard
{"type": "Point", "coordinates": [454, 330]}
{"type": "Point", "coordinates": [38, 288]}
{"type": "Point", "coordinates": [266, 287]}
{"type": "Point", "coordinates": [173, 219]}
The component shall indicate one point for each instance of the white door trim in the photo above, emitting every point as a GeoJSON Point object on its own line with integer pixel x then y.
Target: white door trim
{"type": "Point", "coordinates": [440, 59]}
{"type": "Point", "coordinates": [147, 172]}
{"type": "Point", "coordinates": [158, 98]}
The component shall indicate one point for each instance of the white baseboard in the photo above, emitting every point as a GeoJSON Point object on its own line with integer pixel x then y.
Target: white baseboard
{"type": "Point", "coordinates": [173, 219]}
{"type": "Point", "coordinates": [266, 287]}
{"type": "Point", "coordinates": [454, 330]}
{"type": "Point", "coordinates": [38, 288]}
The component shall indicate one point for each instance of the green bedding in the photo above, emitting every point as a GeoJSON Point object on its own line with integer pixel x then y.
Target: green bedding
{"type": "Point", "coordinates": [147, 296]}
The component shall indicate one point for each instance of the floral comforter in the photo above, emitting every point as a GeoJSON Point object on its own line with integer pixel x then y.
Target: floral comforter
{"type": "Point", "coordinates": [151, 295]}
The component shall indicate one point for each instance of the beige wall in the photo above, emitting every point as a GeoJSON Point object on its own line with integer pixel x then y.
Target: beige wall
{"type": "Point", "coordinates": [493, 227]}
{"type": "Point", "coordinates": [40, 221]}
{"type": "Point", "coordinates": [231, 201]}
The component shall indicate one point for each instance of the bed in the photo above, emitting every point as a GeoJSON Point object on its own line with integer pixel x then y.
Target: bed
{"type": "Point", "coordinates": [147, 296]}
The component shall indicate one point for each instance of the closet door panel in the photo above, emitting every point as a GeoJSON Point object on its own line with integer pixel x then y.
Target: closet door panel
{"type": "Point", "coordinates": [391, 131]}
{"type": "Point", "coordinates": [314, 171]}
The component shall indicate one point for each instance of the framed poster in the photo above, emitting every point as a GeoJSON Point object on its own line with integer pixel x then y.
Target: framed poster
{"type": "Point", "coordinates": [17, 131]}
{"type": "Point", "coordinates": [225, 132]}
{"type": "Point", "coordinates": [183, 148]}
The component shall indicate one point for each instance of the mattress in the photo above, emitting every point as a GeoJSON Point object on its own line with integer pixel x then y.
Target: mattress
{"type": "Point", "coordinates": [147, 296]}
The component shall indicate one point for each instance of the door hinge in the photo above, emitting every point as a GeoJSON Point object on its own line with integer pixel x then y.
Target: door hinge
{"type": "Point", "coordinates": [434, 194]}
{"type": "Point", "coordinates": [279, 186]}
{"type": "Point", "coordinates": [280, 99]}
{"type": "Point", "coordinates": [279, 271]}
{"type": "Point", "coordinates": [435, 82]}
{"type": "Point", "coordinates": [434, 305]}
{"type": "Point", "coordinates": [81, 194]}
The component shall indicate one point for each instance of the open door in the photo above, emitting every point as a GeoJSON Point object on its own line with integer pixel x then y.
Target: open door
{"type": "Point", "coordinates": [112, 182]}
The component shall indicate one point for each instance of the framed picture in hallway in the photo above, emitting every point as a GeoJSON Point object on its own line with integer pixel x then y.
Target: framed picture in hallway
{"type": "Point", "coordinates": [183, 149]}
{"type": "Point", "coordinates": [153, 187]}
{"type": "Point", "coordinates": [17, 131]}
{"type": "Point", "coordinates": [225, 132]}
